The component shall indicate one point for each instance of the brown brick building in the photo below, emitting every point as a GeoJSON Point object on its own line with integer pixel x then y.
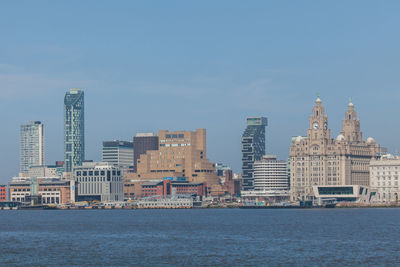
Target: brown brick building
{"type": "Point", "coordinates": [232, 186]}
{"type": "Point", "coordinates": [179, 154]}
{"type": "Point", "coordinates": [142, 188]}
{"type": "Point", "coordinates": [3, 193]}
{"type": "Point", "coordinates": [143, 142]}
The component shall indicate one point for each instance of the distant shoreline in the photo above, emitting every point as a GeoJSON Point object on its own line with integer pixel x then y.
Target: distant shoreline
{"type": "Point", "coordinates": [209, 207]}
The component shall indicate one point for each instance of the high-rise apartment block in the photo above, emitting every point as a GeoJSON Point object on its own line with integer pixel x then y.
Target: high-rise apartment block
{"type": "Point", "coordinates": [32, 146]}
{"type": "Point", "coordinates": [118, 153]}
{"type": "Point", "coordinates": [319, 160]}
{"type": "Point", "coordinates": [180, 154]}
{"type": "Point", "coordinates": [74, 129]}
{"type": "Point", "coordinates": [271, 175]}
{"type": "Point", "coordinates": [253, 148]}
{"type": "Point", "coordinates": [143, 142]}
{"type": "Point", "coordinates": [384, 178]}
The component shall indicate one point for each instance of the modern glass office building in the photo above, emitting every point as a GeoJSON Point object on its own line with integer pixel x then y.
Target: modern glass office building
{"type": "Point", "coordinates": [253, 149]}
{"type": "Point", "coordinates": [74, 129]}
{"type": "Point", "coordinates": [31, 145]}
{"type": "Point", "coordinates": [118, 153]}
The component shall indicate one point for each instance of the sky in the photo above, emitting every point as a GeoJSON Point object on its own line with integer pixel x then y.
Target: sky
{"type": "Point", "coordinates": [183, 65]}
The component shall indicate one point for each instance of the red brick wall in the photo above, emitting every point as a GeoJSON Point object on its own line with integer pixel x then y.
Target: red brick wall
{"type": "Point", "coordinates": [3, 193]}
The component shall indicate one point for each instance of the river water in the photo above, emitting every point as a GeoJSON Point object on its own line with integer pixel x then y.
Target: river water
{"type": "Point", "coordinates": [212, 237]}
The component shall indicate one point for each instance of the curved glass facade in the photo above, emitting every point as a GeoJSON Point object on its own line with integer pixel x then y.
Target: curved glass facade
{"type": "Point", "coordinates": [74, 129]}
{"type": "Point", "coordinates": [253, 149]}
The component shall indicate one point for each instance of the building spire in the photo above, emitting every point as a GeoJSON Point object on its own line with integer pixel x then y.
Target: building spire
{"type": "Point", "coordinates": [351, 102]}
{"type": "Point", "coordinates": [351, 124]}
{"type": "Point", "coordinates": [318, 100]}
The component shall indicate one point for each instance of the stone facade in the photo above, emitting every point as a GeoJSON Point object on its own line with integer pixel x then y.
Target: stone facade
{"type": "Point", "coordinates": [99, 181]}
{"type": "Point", "coordinates": [317, 159]}
{"type": "Point", "coordinates": [384, 178]}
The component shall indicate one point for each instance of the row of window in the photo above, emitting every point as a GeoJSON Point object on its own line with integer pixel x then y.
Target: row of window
{"type": "Point", "coordinates": [22, 190]}
{"type": "Point", "coordinates": [169, 136]}
{"type": "Point", "coordinates": [99, 179]}
{"type": "Point", "coordinates": [209, 171]}
{"type": "Point", "coordinates": [387, 184]}
{"type": "Point", "coordinates": [385, 173]}
{"type": "Point", "coordinates": [97, 173]}
{"type": "Point", "coordinates": [174, 145]}
{"type": "Point", "coordinates": [388, 177]}
{"type": "Point", "coordinates": [383, 168]}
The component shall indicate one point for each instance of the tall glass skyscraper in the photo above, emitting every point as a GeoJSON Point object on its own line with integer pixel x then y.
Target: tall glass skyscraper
{"type": "Point", "coordinates": [74, 129]}
{"type": "Point", "coordinates": [253, 149]}
{"type": "Point", "coordinates": [31, 146]}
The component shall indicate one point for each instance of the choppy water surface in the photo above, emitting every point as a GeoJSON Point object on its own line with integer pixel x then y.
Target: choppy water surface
{"type": "Point", "coordinates": [328, 237]}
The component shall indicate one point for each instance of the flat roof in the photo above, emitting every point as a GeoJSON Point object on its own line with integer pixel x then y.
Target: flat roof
{"type": "Point", "coordinates": [152, 183]}
{"type": "Point", "coordinates": [118, 143]}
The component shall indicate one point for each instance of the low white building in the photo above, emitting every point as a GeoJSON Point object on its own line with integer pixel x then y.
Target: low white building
{"type": "Point", "coordinates": [45, 171]}
{"type": "Point", "coordinates": [344, 193]}
{"type": "Point", "coordinates": [384, 178]}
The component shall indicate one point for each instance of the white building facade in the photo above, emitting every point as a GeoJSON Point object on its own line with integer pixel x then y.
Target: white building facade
{"type": "Point", "coordinates": [271, 174]}
{"type": "Point", "coordinates": [31, 146]}
{"type": "Point", "coordinates": [118, 153]}
{"type": "Point", "coordinates": [384, 178]}
{"type": "Point", "coordinates": [45, 171]}
{"type": "Point", "coordinates": [271, 181]}
{"type": "Point", "coordinates": [99, 181]}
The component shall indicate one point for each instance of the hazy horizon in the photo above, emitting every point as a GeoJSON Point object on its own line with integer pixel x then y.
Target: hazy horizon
{"type": "Point", "coordinates": [177, 65]}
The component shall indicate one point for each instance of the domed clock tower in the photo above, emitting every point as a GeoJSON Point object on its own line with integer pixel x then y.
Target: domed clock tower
{"type": "Point", "coordinates": [318, 160]}
{"type": "Point", "coordinates": [318, 128]}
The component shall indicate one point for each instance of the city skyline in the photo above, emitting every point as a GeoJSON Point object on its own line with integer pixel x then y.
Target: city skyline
{"type": "Point", "coordinates": [272, 62]}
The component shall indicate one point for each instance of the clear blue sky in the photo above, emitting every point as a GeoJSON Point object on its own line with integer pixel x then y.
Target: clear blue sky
{"type": "Point", "coordinates": [182, 65]}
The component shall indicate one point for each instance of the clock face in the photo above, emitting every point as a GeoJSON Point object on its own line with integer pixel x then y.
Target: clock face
{"type": "Point", "coordinates": [315, 126]}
